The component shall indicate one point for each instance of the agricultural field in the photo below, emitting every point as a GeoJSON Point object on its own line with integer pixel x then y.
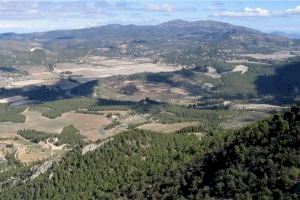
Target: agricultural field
{"type": "Point", "coordinates": [244, 119]}
{"type": "Point", "coordinates": [91, 120]}
{"type": "Point", "coordinates": [166, 128]}
{"type": "Point", "coordinates": [102, 67]}
{"type": "Point", "coordinates": [35, 121]}
{"type": "Point", "coordinates": [116, 88]}
{"type": "Point", "coordinates": [275, 56]}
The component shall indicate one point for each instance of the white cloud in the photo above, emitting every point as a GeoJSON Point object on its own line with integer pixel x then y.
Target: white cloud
{"type": "Point", "coordinates": [15, 24]}
{"type": "Point", "coordinates": [247, 12]}
{"type": "Point", "coordinates": [33, 11]}
{"type": "Point", "coordinates": [293, 11]}
{"type": "Point", "coordinates": [161, 7]}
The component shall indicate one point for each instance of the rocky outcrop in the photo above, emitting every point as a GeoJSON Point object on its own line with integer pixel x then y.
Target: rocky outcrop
{"type": "Point", "coordinates": [40, 169]}
{"type": "Point", "coordinates": [93, 146]}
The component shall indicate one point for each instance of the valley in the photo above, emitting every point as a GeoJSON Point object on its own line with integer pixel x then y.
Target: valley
{"type": "Point", "coordinates": [129, 103]}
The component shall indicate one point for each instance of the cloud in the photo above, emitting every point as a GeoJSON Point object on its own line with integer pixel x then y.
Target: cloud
{"type": "Point", "coordinates": [247, 12]}
{"type": "Point", "coordinates": [33, 11]}
{"type": "Point", "coordinates": [17, 24]}
{"type": "Point", "coordinates": [160, 7]}
{"type": "Point", "coordinates": [293, 11]}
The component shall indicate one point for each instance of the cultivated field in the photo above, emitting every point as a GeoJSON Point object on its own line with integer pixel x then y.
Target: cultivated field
{"type": "Point", "coordinates": [102, 67]}
{"type": "Point", "coordinates": [244, 119]}
{"type": "Point", "coordinates": [82, 70]}
{"type": "Point", "coordinates": [90, 126]}
{"type": "Point", "coordinates": [87, 124]}
{"type": "Point", "coordinates": [165, 128]}
{"type": "Point", "coordinates": [111, 88]}
{"type": "Point", "coordinates": [276, 56]}
{"type": "Point", "coordinates": [257, 107]}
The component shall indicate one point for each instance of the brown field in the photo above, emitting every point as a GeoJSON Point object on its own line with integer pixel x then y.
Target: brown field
{"type": "Point", "coordinates": [18, 45]}
{"type": "Point", "coordinates": [85, 121]}
{"type": "Point", "coordinates": [111, 88]}
{"type": "Point", "coordinates": [101, 67]}
{"type": "Point", "coordinates": [242, 61]}
{"type": "Point", "coordinates": [8, 134]}
{"type": "Point", "coordinates": [244, 119]}
{"type": "Point", "coordinates": [277, 56]}
{"type": "Point", "coordinates": [179, 91]}
{"type": "Point", "coordinates": [257, 107]}
{"type": "Point", "coordinates": [29, 154]}
{"type": "Point", "coordinates": [94, 67]}
{"type": "Point", "coordinates": [24, 151]}
{"type": "Point", "coordinates": [124, 118]}
{"type": "Point", "coordinates": [34, 120]}
{"type": "Point", "coordinates": [89, 125]}
{"type": "Point", "coordinates": [166, 128]}
{"type": "Point", "coordinates": [12, 99]}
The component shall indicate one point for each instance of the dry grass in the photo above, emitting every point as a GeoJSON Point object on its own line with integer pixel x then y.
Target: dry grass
{"type": "Point", "coordinates": [89, 125]}
{"type": "Point", "coordinates": [244, 119]}
{"type": "Point", "coordinates": [13, 99]}
{"type": "Point", "coordinates": [179, 91]}
{"type": "Point", "coordinates": [257, 107]}
{"type": "Point", "coordinates": [166, 128]}
{"type": "Point", "coordinates": [24, 151]}
{"type": "Point", "coordinates": [276, 56]}
{"type": "Point", "coordinates": [101, 67]}
{"type": "Point", "coordinates": [110, 88]}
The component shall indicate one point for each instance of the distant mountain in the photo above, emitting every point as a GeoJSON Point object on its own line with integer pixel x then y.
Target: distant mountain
{"type": "Point", "coordinates": [288, 35]}
{"type": "Point", "coordinates": [192, 33]}
{"type": "Point", "coordinates": [170, 42]}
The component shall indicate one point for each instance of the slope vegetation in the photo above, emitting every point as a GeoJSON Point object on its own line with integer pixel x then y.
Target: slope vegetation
{"type": "Point", "coordinates": [257, 162]}
{"type": "Point", "coordinates": [261, 162]}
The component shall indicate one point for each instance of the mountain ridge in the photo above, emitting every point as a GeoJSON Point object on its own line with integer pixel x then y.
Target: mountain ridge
{"type": "Point", "coordinates": [171, 23]}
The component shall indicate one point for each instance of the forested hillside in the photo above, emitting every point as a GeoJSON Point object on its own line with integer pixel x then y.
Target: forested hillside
{"type": "Point", "coordinates": [257, 162]}
{"type": "Point", "coordinates": [130, 157]}
{"type": "Point", "coordinates": [262, 162]}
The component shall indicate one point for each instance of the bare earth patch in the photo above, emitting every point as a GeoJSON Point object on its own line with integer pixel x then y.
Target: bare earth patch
{"type": "Point", "coordinates": [23, 151]}
{"type": "Point", "coordinates": [212, 72]}
{"type": "Point", "coordinates": [240, 68]}
{"type": "Point", "coordinates": [179, 91]}
{"type": "Point", "coordinates": [13, 99]}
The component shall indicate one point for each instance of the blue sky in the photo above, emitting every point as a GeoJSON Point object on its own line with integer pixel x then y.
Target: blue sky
{"type": "Point", "coordinates": [42, 15]}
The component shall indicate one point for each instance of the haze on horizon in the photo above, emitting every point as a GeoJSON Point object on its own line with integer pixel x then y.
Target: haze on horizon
{"type": "Point", "coordinates": [41, 15]}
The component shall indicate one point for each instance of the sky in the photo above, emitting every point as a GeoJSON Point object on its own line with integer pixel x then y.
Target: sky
{"type": "Point", "coordinates": [43, 15]}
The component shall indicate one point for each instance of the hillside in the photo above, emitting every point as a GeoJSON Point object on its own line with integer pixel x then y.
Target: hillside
{"type": "Point", "coordinates": [260, 163]}
{"type": "Point", "coordinates": [257, 162]}
{"type": "Point", "coordinates": [130, 157]}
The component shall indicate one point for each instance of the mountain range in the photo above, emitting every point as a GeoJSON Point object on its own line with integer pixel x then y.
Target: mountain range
{"type": "Point", "coordinates": [288, 35]}
{"type": "Point", "coordinates": [170, 42]}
